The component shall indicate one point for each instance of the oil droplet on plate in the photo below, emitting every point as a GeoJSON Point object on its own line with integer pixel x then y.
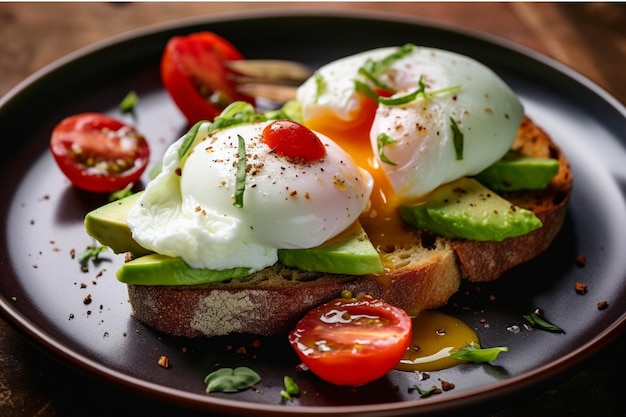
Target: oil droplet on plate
{"type": "Point", "coordinates": [435, 334]}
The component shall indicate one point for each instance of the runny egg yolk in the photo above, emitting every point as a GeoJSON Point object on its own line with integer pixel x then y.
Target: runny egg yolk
{"type": "Point", "coordinates": [381, 220]}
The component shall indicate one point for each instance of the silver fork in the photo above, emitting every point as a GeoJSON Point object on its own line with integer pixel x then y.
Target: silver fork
{"type": "Point", "coordinates": [269, 79]}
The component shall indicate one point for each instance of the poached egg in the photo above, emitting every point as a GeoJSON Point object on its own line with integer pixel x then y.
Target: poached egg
{"type": "Point", "coordinates": [187, 211]}
{"type": "Point", "coordinates": [443, 100]}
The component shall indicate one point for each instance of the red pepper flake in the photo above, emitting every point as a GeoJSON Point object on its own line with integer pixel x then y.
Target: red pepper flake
{"type": "Point", "coordinates": [602, 305]}
{"type": "Point", "coordinates": [581, 260]}
{"type": "Point", "coordinates": [581, 288]}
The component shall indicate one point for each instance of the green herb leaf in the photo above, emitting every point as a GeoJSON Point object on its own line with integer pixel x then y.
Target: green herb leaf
{"type": "Point", "coordinates": [425, 393]}
{"type": "Point", "coordinates": [362, 88]}
{"type": "Point", "coordinates": [474, 353]}
{"type": "Point", "coordinates": [128, 103]}
{"type": "Point", "coordinates": [188, 139]}
{"type": "Point", "coordinates": [382, 140]}
{"type": "Point", "coordinates": [457, 138]}
{"type": "Point", "coordinates": [376, 68]}
{"type": "Point", "coordinates": [375, 80]}
{"type": "Point", "coordinates": [240, 184]}
{"type": "Point", "coordinates": [536, 320]}
{"type": "Point", "coordinates": [124, 192]}
{"type": "Point", "coordinates": [320, 86]}
{"type": "Point", "coordinates": [92, 252]}
{"type": "Point", "coordinates": [231, 380]}
{"type": "Point", "coordinates": [291, 389]}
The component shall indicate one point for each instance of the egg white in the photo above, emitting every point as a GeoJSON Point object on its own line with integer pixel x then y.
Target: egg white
{"type": "Point", "coordinates": [422, 155]}
{"type": "Point", "coordinates": [286, 205]}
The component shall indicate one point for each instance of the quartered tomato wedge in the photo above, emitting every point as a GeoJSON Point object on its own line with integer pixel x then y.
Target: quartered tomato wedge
{"type": "Point", "coordinates": [193, 73]}
{"type": "Point", "coordinates": [99, 153]}
{"type": "Point", "coordinates": [352, 341]}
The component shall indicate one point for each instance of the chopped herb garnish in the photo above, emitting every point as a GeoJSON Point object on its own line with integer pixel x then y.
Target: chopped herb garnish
{"type": "Point", "coordinates": [240, 184]}
{"type": "Point", "coordinates": [425, 393]}
{"type": "Point", "coordinates": [377, 68]}
{"type": "Point", "coordinates": [188, 139]}
{"type": "Point", "coordinates": [536, 320]}
{"type": "Point", "coordinates": [320, 86]}
{"type": "Point", "coordinates": [457, 138]}
{"type": "Point", "coordinates": [375, 80]}
{"type": "Point", "coordinates": [291, 389]}
{"type": "Point", "coordinates": [474, 353]}
{"type": "Point", "coordinates": [364, 89]}
{"type": "Point", "coordinates": [231, 380]}
{"type": "Point", "coordinates": [382, 140]}
{"type": "Point", "coordinates": [92, 252]}
{"type": "Point", "coordinates": [124, 192]}
{"type": "Point", "coordinates": [128, 103]}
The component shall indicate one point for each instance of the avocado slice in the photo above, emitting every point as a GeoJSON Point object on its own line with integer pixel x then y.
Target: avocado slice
{"type": "Point", "coordinates": [466, 209]}
{"type": "Point", "coordinates": [156, 269]}
{"type": "Point", "coordinates": [351, 252]}
{"type": "Point", "coordinates": [516, 171]}
{"type": "Point", "coordinates": [107, 224]}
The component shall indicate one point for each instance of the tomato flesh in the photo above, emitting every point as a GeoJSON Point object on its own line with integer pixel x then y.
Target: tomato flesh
{"type": "Point", "coordinates": [352, 341]}
{"type": "Point", "coordinates": [99, 153]}
{"type": "Point", "coordinates": [293, 140]}
{"type": "Point", "coordinates": [194, 75]}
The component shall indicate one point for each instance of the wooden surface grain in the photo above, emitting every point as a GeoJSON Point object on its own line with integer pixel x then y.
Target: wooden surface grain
{"type": "Point", "coordinates": [588, 37]}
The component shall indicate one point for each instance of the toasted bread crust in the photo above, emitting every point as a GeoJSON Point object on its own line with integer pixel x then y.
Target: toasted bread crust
{"type": "Point", "coordinates": [425, 276]}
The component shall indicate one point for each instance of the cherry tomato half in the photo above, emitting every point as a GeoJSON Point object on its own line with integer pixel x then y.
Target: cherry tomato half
{"type": "Point", "coordinates": [293, 140]}
{"type": "Point", "coordinates": [194, 75]}
{"type": "Point", "coordinates": [352, 341]}
{"type": "Point", "coordinates": [99, 153]}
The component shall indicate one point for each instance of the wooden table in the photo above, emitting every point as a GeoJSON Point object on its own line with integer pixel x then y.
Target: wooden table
{"type": "Point", "coordinates": [590, 38]}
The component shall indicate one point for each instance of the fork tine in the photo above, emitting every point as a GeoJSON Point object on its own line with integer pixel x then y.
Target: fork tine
{"type": "Point", "coordinates": [273, 92]}
{"type": "Point", "coordinates": [270, 70]}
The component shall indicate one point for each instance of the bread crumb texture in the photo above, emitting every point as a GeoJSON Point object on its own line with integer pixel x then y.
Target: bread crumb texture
{"type": "Point", "coordinates": [219, 313]}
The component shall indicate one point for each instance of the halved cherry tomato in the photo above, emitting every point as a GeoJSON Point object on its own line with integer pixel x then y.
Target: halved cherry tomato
{"type": "Point", "coordinates": [352, 341]}
{"type": "Point", "coordinates": [293, 140]}
{"type": "Point", "coordinates": [193, 73]}
{"type": "Point", "coordinates": [99, 153]}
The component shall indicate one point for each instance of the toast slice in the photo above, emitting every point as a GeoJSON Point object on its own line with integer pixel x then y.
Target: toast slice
{"type": "Point", "coordinates": [421, 275]}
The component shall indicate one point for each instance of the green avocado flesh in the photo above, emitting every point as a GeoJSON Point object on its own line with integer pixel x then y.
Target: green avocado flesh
{"type": "Point", "coordinates": [155, 269]}
{"type": "Point", "coordinates": [350, 253]}
{"type": "Point", "coordinates": [519, 172]}
{"type": "Point", "coordinates": [107, 224]}
{"type": "Point", "coordinates": [466, 209]}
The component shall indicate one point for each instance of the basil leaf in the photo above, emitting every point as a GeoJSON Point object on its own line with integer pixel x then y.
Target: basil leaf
{"type": "Point", "coordinates": [537, 320]}
{"type": "Point", "coordinates": [240, 184]}
{"type": "Point", "coordinates": [457, 138]}
{"type": "Point", "coordinates": [382, 140]}
{"type": "Point", "coordinates": [231, 380]}
{"type": "Point", "coordinates": [474, 353]}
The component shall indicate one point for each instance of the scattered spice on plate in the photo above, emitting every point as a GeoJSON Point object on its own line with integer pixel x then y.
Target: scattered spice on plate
{"type": "Point", "coordinates": [581, 288]}
{"type": "Point", "coordinates": [602, 305]}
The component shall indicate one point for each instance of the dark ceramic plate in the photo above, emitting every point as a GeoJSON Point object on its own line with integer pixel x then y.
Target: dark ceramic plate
{"type": "Point", "coordinates": [42, 223]}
